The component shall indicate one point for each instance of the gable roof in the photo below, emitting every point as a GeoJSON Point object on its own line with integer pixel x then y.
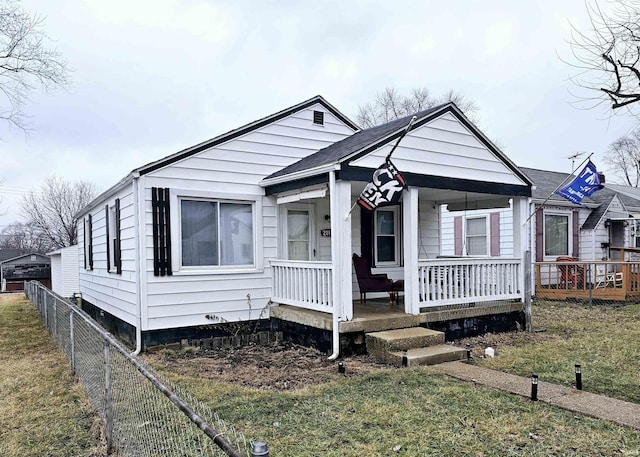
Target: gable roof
{"type": "Point", "coordinates": [188, 152]}
{"type": "Point", "coordinates": [366, 141]}
{"type": "Point", "coordinates": [40, 258]}
{"type": "Point", "coordinates": [242, 131]}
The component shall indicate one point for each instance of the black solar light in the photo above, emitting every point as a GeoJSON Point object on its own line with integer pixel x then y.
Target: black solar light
{"type": "Point", "coordinates": [405, 359]}
{"type": "Point", "coordinates": [534, 387]}
{"type": "Point", "coordinates": [578, 376]}
{"type": "Point", "coordinates": [341, 368]}
{"type": "Point", "coordinates": [468, 352]}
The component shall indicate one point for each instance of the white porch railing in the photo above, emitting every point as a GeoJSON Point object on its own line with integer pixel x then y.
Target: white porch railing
{"type": "Point", "coordinates": [303, 284]}
{"type": "Point", "coordinates": [458, 281]}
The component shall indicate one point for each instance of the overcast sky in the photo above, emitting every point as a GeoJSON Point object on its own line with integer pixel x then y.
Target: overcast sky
{"type": "Point", "coordinates": [151, 77]}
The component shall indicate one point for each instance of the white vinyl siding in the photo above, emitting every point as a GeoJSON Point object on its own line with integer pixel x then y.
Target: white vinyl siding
{"type": "Point", "coordinates": [64, 271]}
{"type": "Point", "coordinates": [234, 170]}
{"type": "Point", "coordinates": [444, 147]}
{"type": "Point", "coordinates": [506, 228]}
{"type": "Point", "coordinates": [116, 294]}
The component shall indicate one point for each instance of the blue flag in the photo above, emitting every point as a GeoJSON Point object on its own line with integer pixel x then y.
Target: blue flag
{"type": "Point", "coordinates": [583, 185]}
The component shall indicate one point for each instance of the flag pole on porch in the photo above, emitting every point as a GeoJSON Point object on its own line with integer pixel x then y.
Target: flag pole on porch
{"type": "Point", "coordinates": [386, 168]}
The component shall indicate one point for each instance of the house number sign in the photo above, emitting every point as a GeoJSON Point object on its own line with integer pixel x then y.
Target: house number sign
{"type": "Point", "coordinates": [326, 233]}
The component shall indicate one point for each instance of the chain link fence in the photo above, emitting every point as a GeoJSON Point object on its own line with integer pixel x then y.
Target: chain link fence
{"type": "Point", "coordinates": [142, 414]}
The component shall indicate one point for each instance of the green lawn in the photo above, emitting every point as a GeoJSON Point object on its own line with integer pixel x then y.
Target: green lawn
{"type": "Point", "coordinates": [604, 340]}
{"type": "Point", "coordinates": [43, 412]}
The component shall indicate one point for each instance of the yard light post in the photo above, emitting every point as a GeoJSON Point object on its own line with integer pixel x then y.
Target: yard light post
{"type": "Point", "coordinates": [578, 376]}
{"type": "Point", "coordinates": [260, 449]}
{"type": "Point", "coordinates": [405, 359]}
{"type": "Point", "coordinates": [468, 352]}
{"type": "Point", "coordinates": [341, 367]}
{"type": "Point", "coordinates": [534, 387]}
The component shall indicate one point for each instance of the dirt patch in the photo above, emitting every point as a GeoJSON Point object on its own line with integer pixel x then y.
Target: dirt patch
{"type": "Point", "coordinates": [277, 366]}
{"type": "Point", "coordinates": [286, 366]}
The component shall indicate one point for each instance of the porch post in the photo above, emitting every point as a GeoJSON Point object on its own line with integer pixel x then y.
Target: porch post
{"type": "Point", "coordinates": [340, 197]}
{"type": "Point", "coordinates": [410, 247]}
{"type": "Point", "coordinates": [520, 208]}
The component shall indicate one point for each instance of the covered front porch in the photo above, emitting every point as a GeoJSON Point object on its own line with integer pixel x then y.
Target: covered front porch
{"type": "Point", "coordinates": [445, 165]}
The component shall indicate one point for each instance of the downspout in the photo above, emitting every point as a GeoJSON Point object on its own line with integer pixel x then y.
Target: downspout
{"type": "Point", "coordinates": [138, 267]}
{"type": "Point", "coordinates": [334, 255]}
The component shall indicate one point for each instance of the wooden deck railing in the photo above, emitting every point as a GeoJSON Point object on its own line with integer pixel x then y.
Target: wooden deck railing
{"type": "Point", "coordinates": [605, 280]}
{"type": "Point", "coordinates": [458, 281]}
{"type": "Point", "coordinates": [303, 284]}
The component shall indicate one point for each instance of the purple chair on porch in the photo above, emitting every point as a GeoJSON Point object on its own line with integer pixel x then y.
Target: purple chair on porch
{"type": "Point", "coordinates": [369, 282]}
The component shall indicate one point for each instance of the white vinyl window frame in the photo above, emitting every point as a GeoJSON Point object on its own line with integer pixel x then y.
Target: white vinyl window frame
{"type": "Point", "coordinates": [550, 215]}
{"type": "Point", "coordinates": [396, 235]}
{"type": "Point", "coordinates": [310, 208]}
{"type": "Point", "coordinates": [468, 236]}
{"type": "Point", "coordinates": [178, 195]}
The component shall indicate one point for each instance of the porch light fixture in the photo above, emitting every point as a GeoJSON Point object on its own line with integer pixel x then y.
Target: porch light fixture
{"type": "Point", "coordinates": [578, 376]}
{"type": "Point", "coordinates": [534, 387]}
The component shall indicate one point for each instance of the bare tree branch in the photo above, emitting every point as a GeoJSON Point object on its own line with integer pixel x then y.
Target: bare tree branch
{"type": "Point", "coordinates": [624, 158]}
{"type": "Point", "coordinates": [25, 62]}
{"type": "Point", "coordinates": [52, 210]}
{"type": "Point", "coordinates": [607, 55]}
{"type": "Point", "coordinates": [389, 105]}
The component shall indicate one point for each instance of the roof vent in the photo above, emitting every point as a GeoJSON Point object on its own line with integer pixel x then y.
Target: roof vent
{"type": "Point", "coordinates": [318, 117]}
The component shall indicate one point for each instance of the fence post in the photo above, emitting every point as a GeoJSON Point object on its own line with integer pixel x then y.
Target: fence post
{"type": "Point", "coordinates": [527, 290]}
{"type": "Point", "coordinates": [72, 344]}
{"type": "Point", "coordinates": [591, 280]}
{"type": "Point", "coordinates": [54, 331]}
{"type": "Point", "coordinates": [108, 403]}
{"type": "Point", "coordinates": [42, 299]}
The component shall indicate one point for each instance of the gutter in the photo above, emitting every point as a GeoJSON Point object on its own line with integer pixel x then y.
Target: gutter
{"type": "Point", "coordinates": [138, 276]}
{"type": "Point", "coordinates": [334, 229]}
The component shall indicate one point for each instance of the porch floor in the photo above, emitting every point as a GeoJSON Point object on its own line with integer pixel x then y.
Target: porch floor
{"type": "Point", "coordinates": [378, 315]}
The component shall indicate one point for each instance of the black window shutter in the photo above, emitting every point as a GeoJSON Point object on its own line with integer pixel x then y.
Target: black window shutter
{"type": "Point", "coordinates": [84, 228]}
{"type": "Point", "coordinates": [117, 251]}
{"type": "Point", "coordinates": [366, 234]}
{"type": "Point", "coordinates": [161, 231]}
{"type": "Point", "coordinates": [90, 228]}
{"type": "Point", "coordinates": [106, 226]}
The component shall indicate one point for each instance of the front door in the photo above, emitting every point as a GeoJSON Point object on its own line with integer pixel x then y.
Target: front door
{"type": "Point", "coordinates": [299, 233]}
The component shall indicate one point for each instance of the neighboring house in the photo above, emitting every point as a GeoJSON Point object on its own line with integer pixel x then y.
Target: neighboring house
{"type": "Point", "coordinates": [592, 231]}
{"type": "Point", "coordinates": [64, 271]}
{"type": "Point", "coordinates": [264, 215]}
{"type": "Point", "coordinates": [29, 267]}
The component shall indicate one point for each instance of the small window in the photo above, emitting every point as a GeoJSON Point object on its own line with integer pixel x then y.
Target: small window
{"type": "Point", "coordinates": [318, 117]}
{"type": "Point", "coordinates": [476, 236]}
{"type": "Point", "coordinates": [215, 233]}
{"type": "Point", "coordinates": [386, 235]}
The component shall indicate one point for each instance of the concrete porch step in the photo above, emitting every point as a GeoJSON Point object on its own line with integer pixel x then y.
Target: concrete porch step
{"type": "Point", "coordinates": [431, 355]}
{"type": "Point", "coordinates": [380, 344]}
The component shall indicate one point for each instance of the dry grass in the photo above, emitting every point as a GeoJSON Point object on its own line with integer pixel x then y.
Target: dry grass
{"type": "Point", "coordinates": [43, 411]}
{"type": "Point", "coordinates": [604, 340]}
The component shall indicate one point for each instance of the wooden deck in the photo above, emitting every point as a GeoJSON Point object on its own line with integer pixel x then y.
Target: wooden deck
{"type": "Point", "coordinates": [599, 280]}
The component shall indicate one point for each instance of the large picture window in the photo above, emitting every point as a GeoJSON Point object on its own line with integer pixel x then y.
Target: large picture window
{"type": "Point", "coordinates": [386, 236]}
{"type": "Point", "coordinates": [216, 233]}
{"type": "Point", "coordinates": [556, 235]}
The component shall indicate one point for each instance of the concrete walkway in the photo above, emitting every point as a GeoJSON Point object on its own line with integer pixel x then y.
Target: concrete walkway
{"type": "Point", "coordinates": [598, 406]}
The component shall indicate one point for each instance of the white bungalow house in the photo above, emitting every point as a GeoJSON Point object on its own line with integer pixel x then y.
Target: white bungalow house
{"type": "Point", "coordinates": [258, 223]}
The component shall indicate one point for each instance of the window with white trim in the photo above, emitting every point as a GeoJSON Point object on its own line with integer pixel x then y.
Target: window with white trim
{"type": "Point", "coordinates": [387, 236]}
{"type": "Point", "coordinates": [556, 235]}
{"type": "Point", "coordinates": [476, 236]}
{"type": "Point", "coordinates": [216, 233]}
